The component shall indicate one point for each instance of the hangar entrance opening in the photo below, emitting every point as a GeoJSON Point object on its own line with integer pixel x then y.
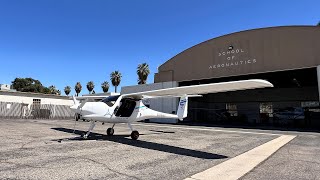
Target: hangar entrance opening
{"type": "Point", "coordinates": [293, 102]}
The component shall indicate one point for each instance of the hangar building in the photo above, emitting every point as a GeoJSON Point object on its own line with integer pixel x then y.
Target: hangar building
{"type": "Point", "coordinates": [288, 57]}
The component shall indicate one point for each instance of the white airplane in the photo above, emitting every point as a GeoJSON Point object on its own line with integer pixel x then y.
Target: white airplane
{"type": "Point", "coordinates": [127, 108]}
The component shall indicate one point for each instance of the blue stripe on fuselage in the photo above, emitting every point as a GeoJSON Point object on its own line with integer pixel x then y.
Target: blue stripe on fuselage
{"type": "Point", "coordinates": [139, 107]}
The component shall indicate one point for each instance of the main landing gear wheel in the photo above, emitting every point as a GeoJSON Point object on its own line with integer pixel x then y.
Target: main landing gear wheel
{"type": "Point", "coordinates": [135, 135]}
{"type": "Point", "coordinates": [110, 131]}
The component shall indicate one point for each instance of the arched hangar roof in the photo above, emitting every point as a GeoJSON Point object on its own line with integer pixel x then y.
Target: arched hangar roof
{"type": "Point", "coordinates": [246, 52]}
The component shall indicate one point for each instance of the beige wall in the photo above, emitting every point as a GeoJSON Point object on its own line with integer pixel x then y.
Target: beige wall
{"type": "Point", "coordinates": [254, 51]}
{"type": "Point", "coordinates": [29, 100]}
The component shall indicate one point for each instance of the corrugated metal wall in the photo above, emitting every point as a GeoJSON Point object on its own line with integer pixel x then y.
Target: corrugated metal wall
{"type": "Point", "coordinates": [43, 111]}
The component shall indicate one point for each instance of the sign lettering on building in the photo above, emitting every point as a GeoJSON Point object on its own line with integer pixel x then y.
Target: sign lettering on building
{"type": "Point", "coordinates": [232, 57]}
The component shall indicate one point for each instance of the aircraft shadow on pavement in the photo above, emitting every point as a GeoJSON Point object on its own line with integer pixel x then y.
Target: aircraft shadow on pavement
{"type": "Point", "coordinates": [124, 139]}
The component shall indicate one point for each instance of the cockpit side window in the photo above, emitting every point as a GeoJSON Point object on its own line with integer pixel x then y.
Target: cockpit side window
{"type": "Point", "coordinates": [110, 100]}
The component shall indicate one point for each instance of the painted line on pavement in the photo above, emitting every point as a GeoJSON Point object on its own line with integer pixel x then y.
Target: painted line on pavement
{"type": "Point", "coordinates": [242, 164]}
{"type": "Point", "coordinates": [210, 129]}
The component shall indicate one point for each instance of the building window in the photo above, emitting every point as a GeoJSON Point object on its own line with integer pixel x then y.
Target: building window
{"type": "Point", "coordinates": [266, 108]}
{"type": "Point", "coordinates": [37, 102]}
{"type": "Point", "coordinates": [232, 109]}
{"type": "Point", "coordinates": [309, 104]}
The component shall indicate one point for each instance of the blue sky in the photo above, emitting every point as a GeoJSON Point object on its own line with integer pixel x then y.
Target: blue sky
{"type": "Point", "coordinates": [62, 42]}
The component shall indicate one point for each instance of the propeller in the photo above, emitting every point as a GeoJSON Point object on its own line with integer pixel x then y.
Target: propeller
{"type": "Point", "coordinates": [77, 108]}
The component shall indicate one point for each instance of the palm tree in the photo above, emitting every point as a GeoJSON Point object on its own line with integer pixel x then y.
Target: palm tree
{"type": "Point", "coordinates": [90, 86]}
{"type": "Point", "coordinates": [143, 72]}
{"type": "Point", "coordinates": [67, 90]}
{"type": "Point", "coordinates": [115, 78]}
{"type": "Point", "coordinates": [78, 88]}
{"type": "Point", "coordinates": [58, 92]}
{"type": "Point", "coordinates": [52, 89]}
{"type": "Point", "coordinates": [105, 86]}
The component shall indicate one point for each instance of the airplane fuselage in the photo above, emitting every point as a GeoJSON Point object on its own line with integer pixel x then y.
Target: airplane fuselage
{"type": "Point", "coordinates": [125, 111]}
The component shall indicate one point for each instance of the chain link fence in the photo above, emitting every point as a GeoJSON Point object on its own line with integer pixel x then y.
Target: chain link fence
{"type": "Point", "coordinates": [11, 110]}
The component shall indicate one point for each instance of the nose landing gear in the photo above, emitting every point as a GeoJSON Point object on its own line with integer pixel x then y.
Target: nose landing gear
{"type": "Point", "coordinates": [134, 135]}
{"type": "Point", "coordinates": [110, 131]}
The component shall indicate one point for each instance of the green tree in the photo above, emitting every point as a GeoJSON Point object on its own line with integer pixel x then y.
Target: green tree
{"type": "Point", "coordinates": [115, 78]}
{"type": "Point", "coordinates": [105, 86]}
{"type": "Point", "coordinates": [54, 90]}
{"type": "Point", "coordinates": [143, 72]}
{"type": "Point", "coordinates": [318, 23]}
{"type": "Point", "coordinates": [46, 90]}
{"type": "Point", "coordinates": [32, 85]}
{"type": "Point", "coordinates": [27, 85]}
{"type": "Point", "coordinates": [78, 88]}
{"type": "Point", "coordinates": [90, 86]}
{"type": "Point", "coordinates": [67, 90]}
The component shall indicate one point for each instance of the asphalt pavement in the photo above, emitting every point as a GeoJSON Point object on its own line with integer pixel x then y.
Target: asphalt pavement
{"type": "Point", "coordinates": [52, 149]}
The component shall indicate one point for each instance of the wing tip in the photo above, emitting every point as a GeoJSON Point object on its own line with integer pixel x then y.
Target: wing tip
{"type": "Point", "coordinates": [264, 82]}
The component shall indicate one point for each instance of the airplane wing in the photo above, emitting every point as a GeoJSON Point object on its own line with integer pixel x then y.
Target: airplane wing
{"type": "Point", "coordinates": [195, 90]}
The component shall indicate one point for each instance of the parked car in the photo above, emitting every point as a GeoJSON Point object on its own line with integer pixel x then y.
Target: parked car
{"type": "Point", "coordinates": [289, 113]}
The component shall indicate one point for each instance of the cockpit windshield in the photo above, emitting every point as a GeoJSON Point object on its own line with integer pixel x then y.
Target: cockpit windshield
{"type": "Point", "coordinates": [110, 100]}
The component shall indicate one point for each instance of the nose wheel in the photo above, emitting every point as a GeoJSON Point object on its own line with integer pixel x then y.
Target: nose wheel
{"type": "Point", "coordinates": [134, 135]}
{"type": "Point", "coordinates": [110, 131]}
{"type": "Point", "coordinates": [84, 136]}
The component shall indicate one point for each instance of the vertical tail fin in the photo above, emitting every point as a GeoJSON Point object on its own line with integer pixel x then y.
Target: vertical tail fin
{"type": "Point", "coordinates": [182, 111]}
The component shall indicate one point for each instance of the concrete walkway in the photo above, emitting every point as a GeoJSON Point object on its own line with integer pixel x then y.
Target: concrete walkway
{"type": "Point", "coordinates": [244, 163]}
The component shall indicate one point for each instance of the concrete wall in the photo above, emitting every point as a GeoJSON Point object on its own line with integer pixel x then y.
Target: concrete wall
{"type": "Point", "coordinates": [167, 105]}
{"type": "Point", "coordinates": [23, 98]}
{"type": "Point", "coordinates": [20, 105]}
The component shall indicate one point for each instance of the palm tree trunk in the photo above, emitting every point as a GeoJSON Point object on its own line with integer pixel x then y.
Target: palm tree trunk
{"type": "Point", "coordinates": [115, 89]}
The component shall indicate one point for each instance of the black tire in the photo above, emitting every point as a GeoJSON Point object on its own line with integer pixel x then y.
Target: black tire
{"type": "Point", "coordinates": [110, 131]}
{"type": "Point", "coordinates": [134, 135]}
